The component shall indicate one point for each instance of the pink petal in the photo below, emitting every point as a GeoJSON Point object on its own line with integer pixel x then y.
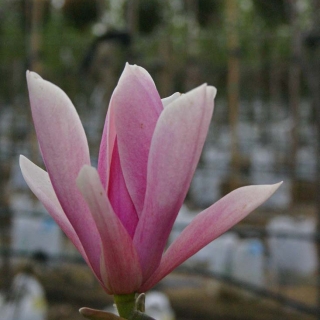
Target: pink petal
{"type": "Point", "coordinates": [210, 224]}
{"type": "Point", "coordinates": [65, 150]}
{"type": "Point", "coordinates": [137, 106]}
{"type": "Point", "coordinates": [175, 150]}
{"type": "Point", "coordinates": [120, 269]}
{"type": "Point", "coordinates": [119, 196]}
{"type": "Point", "coordinates": [39, 182]}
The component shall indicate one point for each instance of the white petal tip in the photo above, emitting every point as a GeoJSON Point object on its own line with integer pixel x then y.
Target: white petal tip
{"type": "Point", "coordinates": [85, 172]}
{"type": "Point", "coordinates": [23, 160]}
{"type": "Point", "coordinates": [168, 100]}
{"type": "Point", "coordinates": [135, 69]}
{"type": "Point", "coordinates": [214, 91]}
{"type": "Point", "coordinates": [277, 185]}
{"type": "Point", "coordinates": [32, 76]}
{"type": "Point", "coordinates": [273, 188]}
{"type": "Point", "coordinates": [129, 66]}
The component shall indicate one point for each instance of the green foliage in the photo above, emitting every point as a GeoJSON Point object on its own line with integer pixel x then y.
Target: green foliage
{"type": "Point", "coordinates": [263, 29]}
{"type": "Point", "coordinates": [150, 15]}
{"type": "Point", "coordinates": [81, 13]}
{"type": "Point", "coordinates": [13, 50]}
{"type": "Point", "coordinates": [273, 12]}
{"type": "Point", "coordinates": [209, 12]}
{"type": "Point", "coordinates": [64, 48]}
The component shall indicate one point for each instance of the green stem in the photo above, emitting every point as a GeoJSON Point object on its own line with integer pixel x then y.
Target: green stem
{"type": "Point", "coordinates": [125, 304]}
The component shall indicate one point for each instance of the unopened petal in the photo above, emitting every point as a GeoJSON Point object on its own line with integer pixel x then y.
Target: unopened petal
{"type": "Point", "coordinates": [119, 197]}
{"type": "Point", "coordinates": [210, 224]}
{"type": "Point", "coordinates": [175, 151]}
{"type": "Point", "coordinates": [65, 150]}
{"type": "Point", "coordinates": [120, 269]}
{"type": "Point", "coordinates": [106, 146]}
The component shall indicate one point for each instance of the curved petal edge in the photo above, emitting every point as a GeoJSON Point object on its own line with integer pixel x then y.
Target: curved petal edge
{"type": "Point", "coordinates": [210, 224]}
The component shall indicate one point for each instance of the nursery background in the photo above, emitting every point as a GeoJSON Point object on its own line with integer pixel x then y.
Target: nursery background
{"type": "Point", "coordinates": [263, 56]}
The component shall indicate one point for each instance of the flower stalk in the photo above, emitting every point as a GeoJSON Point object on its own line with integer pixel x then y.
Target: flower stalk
{"type": "Point", "coordinates": [125, 304]}
{"type": "Point", "coordinates": [129, 306]}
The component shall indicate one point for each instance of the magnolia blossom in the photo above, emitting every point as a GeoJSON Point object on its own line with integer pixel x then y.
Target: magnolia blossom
{"type": "Point", "coordinates": [119, 216]}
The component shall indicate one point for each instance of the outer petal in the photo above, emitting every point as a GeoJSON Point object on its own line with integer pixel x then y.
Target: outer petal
{"type": "Point", "coordinates": [111, 175]}
{"type": "Point", "coordinates": [120, 268]}
{"type": "Point", "coordinates": [39, 182]}
{"type": "Point", "coordinates": [210, 224]}
{"type": "Point", "coordinates": [65, 150]}
{"type": "Point", "coordinates": [137, 106]}
{"type": "Point", "coordinates": [174, 154]}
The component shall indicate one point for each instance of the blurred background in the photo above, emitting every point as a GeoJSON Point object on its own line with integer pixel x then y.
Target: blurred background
{"type": "Point", "coordinates": [264, 58]}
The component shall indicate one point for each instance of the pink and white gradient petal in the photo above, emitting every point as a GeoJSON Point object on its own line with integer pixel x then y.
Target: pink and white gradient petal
{"type": "Point", "coordinates": [174, 154]}
{"type": "Point", "coordinates": [39, 182]}
{"type": "Point", "coordinates": [65, 150]}
{"type": "Point", "coordinates": [209, 225]}
{"type": "Point", "coordinates": [119, 196]}
{"type": "Point", "coordinates": [137, 106]}
{"type": "Point", "coordinates": [106, 146]}
{"type": "Point", "coordinates": [120, 268]}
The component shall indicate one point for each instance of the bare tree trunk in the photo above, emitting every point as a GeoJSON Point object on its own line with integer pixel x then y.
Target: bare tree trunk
{"type": "Point", "coordinates": [294, 82]}
{"type": "Point", "coordinates": [34, 46]}
{"type": "Point", "coordinates": [316, 102]}
{"type": "Point", "coordinates": [233, 85]}
{"type": "Point", "coordinates": [312, 66]}
{"type": "Point", "coordinates": [36, 35]}
{"type": "Point", "coordinates": [316, 13]}
{"type": "Point", "coordinates": [274, 84]}
{"type": "Point", "coordinates": [167, 69]}
{"type": "Point", "coordinates": [192, 36]}
{"type": "Point", "coordinates": [133, 17]}
{"type": "Point", "coordinates": [35, 63]}
{"type": "Point", "coordinates": [5, 222]}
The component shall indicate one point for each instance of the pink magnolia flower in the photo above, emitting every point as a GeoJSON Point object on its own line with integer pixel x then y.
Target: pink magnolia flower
{"type": "Point", "coordinates": [120, 216]}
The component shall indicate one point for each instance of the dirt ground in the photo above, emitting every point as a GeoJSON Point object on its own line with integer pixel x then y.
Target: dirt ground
{"type": "Point", "coordinates": [191, 297]}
